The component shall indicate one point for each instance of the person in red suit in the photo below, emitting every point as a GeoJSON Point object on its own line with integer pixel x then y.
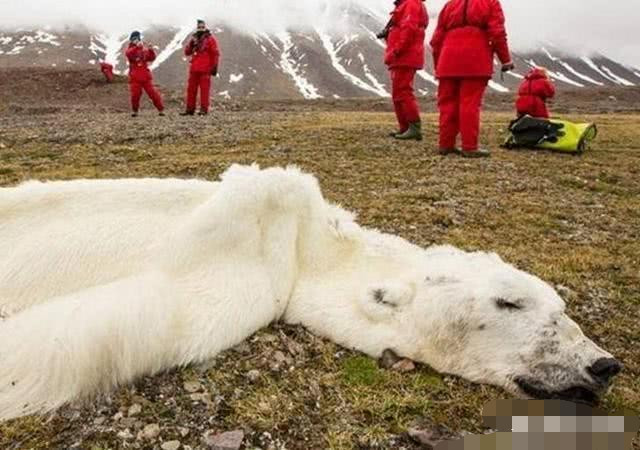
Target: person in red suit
{"type": "Point", "coordinates": [107, 71]}
{"type": "Point", "coordinates": [404, 56]}
{"type": "Point", "coordinates": [140, 78]}
{"type": "Point", "coordinates": [533, 94]}
{"type": "Point", "coordinates": [468, 35]}
{"type": "Point", "coordinates": [204, 54]}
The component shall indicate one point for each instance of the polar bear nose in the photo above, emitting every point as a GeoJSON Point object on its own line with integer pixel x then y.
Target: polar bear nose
{"type": "Point", "coordinates": [604, 369]}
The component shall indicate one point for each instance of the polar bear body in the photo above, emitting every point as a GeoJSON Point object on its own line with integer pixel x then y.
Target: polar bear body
{"type": "Point", "coordinates": [105, 281]}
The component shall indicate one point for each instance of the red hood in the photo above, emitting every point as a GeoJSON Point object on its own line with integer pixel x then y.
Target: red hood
{"type": "Point", "coordinates": [536, 74]}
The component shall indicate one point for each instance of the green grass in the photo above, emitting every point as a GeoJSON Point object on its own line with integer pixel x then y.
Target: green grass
{"type": "Point", "coordinates": [570, 220]}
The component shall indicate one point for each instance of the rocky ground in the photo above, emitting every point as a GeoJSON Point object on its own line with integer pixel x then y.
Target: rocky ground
{"type": "Point", "coordinates": [571, 220]}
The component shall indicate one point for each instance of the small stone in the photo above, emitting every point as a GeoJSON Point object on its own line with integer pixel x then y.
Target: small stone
{"type": "Point", "coordinates": [426, 438]}
{"type": "Point", "coordinates": [2, 146]}
{"type": "Point", "coordinates": [388, 359]}
{"type": "Point", "coordinates": [117, 416]}
{"type": "Point", "coordinates": [279, 357]}
{"type": "Point", "coordinates": [170, 445]}
{"type": "Point", "coordinates": [404, 365]}
{"type": "Point", "coordinates": [183, 431]}
{"type": "Point", "coordinates": [230, 440]}
{"type": "Point", "coordinates": [134, 410]}
{"type": "Point", "coordinates": [125, 434]}
{"type": "Point", "coordinates": [253, 375]}
{"type": "Point", "coordinates": [99, 420]}
{"type": "Point", "coordinates": [192, 386]}
{"type": "Point", "coordinates": [151, 431]}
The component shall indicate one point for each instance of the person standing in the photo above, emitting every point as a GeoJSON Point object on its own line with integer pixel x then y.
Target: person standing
{"type": "Point", "coordinates": [202, 49]}
{"type": "Point", "coordinates": [140, 77]}
{"type": "Point", "coordinates": [533, 94]}
{"type": "Point", "coordinates": [404, 56]}
{"type": "Point", "coordinates": [468, 35]}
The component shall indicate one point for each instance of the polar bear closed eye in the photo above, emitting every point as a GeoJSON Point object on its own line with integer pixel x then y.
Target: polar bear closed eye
{"type": "Point", "coordinates": [153, 274]}
{"type": "Point", "coordinates": [491, 323]}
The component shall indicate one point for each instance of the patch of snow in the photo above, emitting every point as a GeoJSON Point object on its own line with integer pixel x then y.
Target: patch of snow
{"type": "Point", "coordinates": [428, 77]}
{"type": "Point", "coordinates": [78, 47]}
{"type": "Point", "coordinates": [1, 52]}
{"type": "Point", "coordinates": [46, 38]}
{"type": "Point", "coordinates": [92, 62]}
{"type": "Point", "coordinates": [172, 47]}
{"type": "Point", "coordinates": [294, 68]}
{"type": "Point", "coordinates": [557, 75]}
{"type": "Point", "coordinates": [336, 62]}
{"type": "Point", "coordinates": [336, 96]}
{"type": "Point", "coordinates": [53, 65]}
{"type": "Point", "coordinates": [571, 69]}
{"type": "Point", "coordinates": [233, 78]}
{"type": "Point", "coordinates": [594, 66]}
{"type": "Point", "coordinates": [371, 77]}
{"type": "Point", "coordinates": [70, 61]}
{"type": "Point", "coordinates": [4, 40]}
{"type": "Point", "coordinates": [562, 77]}
{"type": "Point", "coordinates": [636, 73]}
{"type": "Point", "coordinates": [224, 94]}
{"type": "Point", "coordinates": [618, 78]}
{"type": "Point", "coordinates": [497, 86]}
{"type": "Point", "coordinates": [110, 45]}
{"type": "Point", "coordinates": [16, 50]}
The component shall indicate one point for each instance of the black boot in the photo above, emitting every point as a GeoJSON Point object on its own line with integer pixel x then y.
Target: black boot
{"type": "Point", "coordinates": [479, 153]}
{"type": "Point", "coordinates": [203, 113]}
{"type": "Point", "coordinates": [449, 151]}
{"type": "Point", "coordinates": [187, 113]}
{"type": "Point", "coordinates": [413, 133]}
{"type": "Point", "coordinates": [134, 114]}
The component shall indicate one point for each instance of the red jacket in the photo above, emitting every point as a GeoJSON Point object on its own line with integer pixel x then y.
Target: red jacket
{"type": "Point", "coordinates": [139, 59]}
{"type": "Point", "coordinates": [534, 91]}
{"type": "Point", "coordinates": [204, 53]}
{"type": "Point", "coordinates": [405, 43]}
{"type": "Point", "coordinates": [469, 33]}
{"type": "Point", "coordinates": [107, 70]}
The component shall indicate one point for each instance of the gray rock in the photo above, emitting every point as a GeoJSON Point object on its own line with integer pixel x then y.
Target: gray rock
{"type": "Point", "coordinates": [253, 375]}
{"type": "Point", "coordinates": [134, 410]}
{"type": "Point", "coordinates": [230, 440]}
{"type": "Point", "coordinates": [170, 445]}
{"type": "Point", "coordinates": [150, 432]}
{"type": "Point", "coordinates": [125, 434]}
{"type": "Point", "coordinates": [192, 386]}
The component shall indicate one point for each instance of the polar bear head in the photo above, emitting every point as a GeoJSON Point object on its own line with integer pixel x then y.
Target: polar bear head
{"type": "Point", "coordinates": [473, 315]}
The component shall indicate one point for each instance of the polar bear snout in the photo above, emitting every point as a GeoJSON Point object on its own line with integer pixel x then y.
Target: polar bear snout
{"type": "Point", "coordinates": [604, 370]}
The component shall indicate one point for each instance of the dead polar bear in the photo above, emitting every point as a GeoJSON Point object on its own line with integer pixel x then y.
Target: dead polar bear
{"type": "Point", "coordinates": [106, 281]}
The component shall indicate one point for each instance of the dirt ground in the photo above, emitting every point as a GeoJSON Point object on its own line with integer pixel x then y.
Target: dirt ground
{"type": "Point", "coordinates": [571, 220]}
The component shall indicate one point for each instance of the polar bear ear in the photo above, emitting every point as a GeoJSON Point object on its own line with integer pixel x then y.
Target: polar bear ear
{"type": "Point", "coordinates": [382, 301]}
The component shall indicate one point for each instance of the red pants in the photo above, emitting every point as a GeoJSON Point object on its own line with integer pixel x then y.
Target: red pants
{"type": "Point", "coordinates": [136, 88]}
{"type": "Point", "coordinates": [404, 100]}
{"type": "Point", "coordinates": [201, 80]}
{"type": "Point", "coordinates": [460, 101]}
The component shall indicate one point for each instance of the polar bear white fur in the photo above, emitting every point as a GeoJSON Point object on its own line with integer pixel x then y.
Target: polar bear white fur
{"type": "Point", "coordinates": [104, 281]}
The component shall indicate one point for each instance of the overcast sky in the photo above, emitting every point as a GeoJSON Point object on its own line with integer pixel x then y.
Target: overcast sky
{"type": "Point", "coordinates": [587, 25]}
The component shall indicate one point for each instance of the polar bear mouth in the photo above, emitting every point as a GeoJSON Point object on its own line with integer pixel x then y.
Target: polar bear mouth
{"type": "Point", "coordinates": [576, 394]}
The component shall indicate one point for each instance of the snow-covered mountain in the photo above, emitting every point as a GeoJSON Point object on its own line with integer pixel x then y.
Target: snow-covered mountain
{"type": "Point", "coordinates": [315, 63]}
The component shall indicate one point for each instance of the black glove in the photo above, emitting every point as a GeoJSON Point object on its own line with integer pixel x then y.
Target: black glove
{"type": "Point", "coordinates": [508, 67]}
{"type": "Point", "coordinates": [214, 71]}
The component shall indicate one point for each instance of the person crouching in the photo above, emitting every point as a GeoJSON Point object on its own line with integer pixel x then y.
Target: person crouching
{"type": "Point", "coordinates": [405, 55]}
{"type": "Point", "coordinates": [203, 51]}
{"type": "Point", "coordinates": [140, 77]}
{"type": "Point", "coordinates": [533, 94]}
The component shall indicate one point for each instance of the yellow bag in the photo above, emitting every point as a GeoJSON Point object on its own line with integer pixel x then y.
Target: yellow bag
{"type": "Point", "coordinates": [552, 134]}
